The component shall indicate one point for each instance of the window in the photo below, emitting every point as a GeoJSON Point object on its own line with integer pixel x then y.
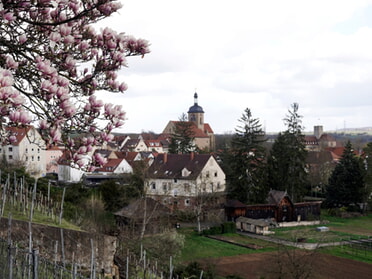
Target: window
{"type": "Point", "coordinates": [153, 186]}
{"type": "Point", "coordinates": [38, 158]}
{"type": "Point", "coordinates": [165, 186]}
{"type": "Point", "coordinates": [32, 158]}
{"type": "Point", "coordinates": [215, 174]}
{"type": "Point", "coordinates": [187, 202]}
{"type": "Point", "coordinates": [175, 180]}
{"type": "Point", "coordinates": [10, 157]}
{"type": "Point", "coordinates": [186, 187]}
{"type": "Point", "coordinates": [26, 150]}
{"type": "Point", "coordinates": [207, 174]}
{"type": "Point", "coordinates": [10, 149]}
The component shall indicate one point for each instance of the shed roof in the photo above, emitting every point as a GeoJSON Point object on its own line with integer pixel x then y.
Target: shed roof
{"type": "Point", "coordinates": [135, 209]}
{"type": "Point", "coordinates": [256, 222]}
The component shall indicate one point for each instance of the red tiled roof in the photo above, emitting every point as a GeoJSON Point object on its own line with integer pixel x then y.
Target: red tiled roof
{"type": "Point", "coordinates": [19, 133]}
{"type": "Point", "coordinates": [197, 133]}
{"type": "Point", "coordinates": [336, 150]}
{"type": "Point", "coordinates": [208, 128]}
{"type": "Point", "coordinates": [311, 139]}
{"type": "Point", "coordinates": [327, 137]}
{"type": "Point", "coordinates": [110, 166]}
{"type": "Point", "coordinates": [153, 143]}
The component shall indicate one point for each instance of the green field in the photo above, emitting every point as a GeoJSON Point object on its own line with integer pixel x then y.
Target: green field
{"type": "Point", "coordinates": [341, 229]}
{"type": "Point", "coordinates": [201, 247]}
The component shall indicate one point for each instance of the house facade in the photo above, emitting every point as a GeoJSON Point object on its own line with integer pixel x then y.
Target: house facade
{"type": "Point", "coordinates": [28, 148]}
{"type": "Point", "coordinates": [178, 180]}
{"type": "Point", "coordinates": [52, 156]}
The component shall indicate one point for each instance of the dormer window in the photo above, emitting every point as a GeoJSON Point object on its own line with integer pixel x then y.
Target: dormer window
{"type": "Point", "coordinates": [185, 172]}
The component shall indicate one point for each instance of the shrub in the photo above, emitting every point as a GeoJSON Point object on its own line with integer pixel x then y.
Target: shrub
{"type": "Point", "coordinates": [193, 270]}
{"type": "Point", "coordinates": [229, 227]}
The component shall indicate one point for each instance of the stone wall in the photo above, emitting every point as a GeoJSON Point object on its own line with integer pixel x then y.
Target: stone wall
{"type": "Point", "coordinates": [63, 245]}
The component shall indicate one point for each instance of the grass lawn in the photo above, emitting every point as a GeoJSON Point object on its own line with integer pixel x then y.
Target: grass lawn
{"type": "Point", "coordinates": [348, 252]}
{"type": "Point", "coordinates": [199, 247]}
{"type": "Point", "coordinates": [358, 225]}
{"type": "Point", "coordinates": [41, 218]}
{"type": "Point", "coordinates": [339, 229]}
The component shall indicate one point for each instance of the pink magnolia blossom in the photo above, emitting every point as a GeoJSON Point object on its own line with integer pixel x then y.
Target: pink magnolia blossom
{"type": "Point", "coordinates": [97, 157]}
{"type": "Point", "coordinates": [65, 30]}
{"type": "Point", "coordinates": [11, 63]}
{"type": "Point", "coordinates": [69, 39]}
{"type": "Point", "coordinates": [56, 135]}
{"type": "Point", "coordinates": [44, 125]}
{"type": "Point", "coordinates": [54, 55]}
{"type": "Point", "coordinates": [8, 17]}
{"type": "Point", "coordinates": [123, 87]}
{"type": "Point", "coordinates": [21, 117]}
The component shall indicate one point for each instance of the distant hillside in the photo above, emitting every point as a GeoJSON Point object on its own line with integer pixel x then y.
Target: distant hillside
{"type": "Point", "coordinates": [352, 131]}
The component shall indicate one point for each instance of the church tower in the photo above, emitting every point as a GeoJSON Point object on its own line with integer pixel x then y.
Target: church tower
{"type": "Point", "coordinates": [196, 113]}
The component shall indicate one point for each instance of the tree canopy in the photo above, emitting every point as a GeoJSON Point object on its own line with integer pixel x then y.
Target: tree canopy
{"type": "Point", "coordinates": [52, 62]}
{"type": "Point", "coordinates": [287, 160]}
{"type": "Point", "coordinates": [346, 185]}
{"type": "Point", "coordinates": [182, 139]}
{"type": "Point", "coordinates": [244, 161]}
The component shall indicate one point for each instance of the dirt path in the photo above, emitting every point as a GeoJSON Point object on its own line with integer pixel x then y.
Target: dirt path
{"type": "Point", "coordinates": [265, 265]}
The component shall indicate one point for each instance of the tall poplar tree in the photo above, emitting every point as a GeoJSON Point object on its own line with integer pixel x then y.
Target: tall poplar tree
{"type": "Point", "coordinates": [244, 161]}
{"type": "Point", "coordinates": [287, 160]}
{"type": "Point", "coordinates": [346, 185]}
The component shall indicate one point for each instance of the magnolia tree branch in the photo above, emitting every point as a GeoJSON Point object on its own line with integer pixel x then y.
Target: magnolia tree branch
{"type": "Point", "coordinates": [52, 62]}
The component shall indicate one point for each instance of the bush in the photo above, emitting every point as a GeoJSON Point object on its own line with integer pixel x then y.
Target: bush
{"type": "Point", "coordinates": [193, 270]}
{"type": "Point", "coordinates": [229, 227]}
{"type": "Point", "coordinates": [213, 231]}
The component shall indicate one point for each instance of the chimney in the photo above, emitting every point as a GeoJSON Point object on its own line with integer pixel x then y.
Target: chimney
{"type": "Point", "coordinates": [165, 158]}
{"type": "Point", "coordinates": [192, 156]}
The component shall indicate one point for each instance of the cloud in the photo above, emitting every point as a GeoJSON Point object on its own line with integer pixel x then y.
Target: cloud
{"type": "Point", "coordinates": [264, 55]}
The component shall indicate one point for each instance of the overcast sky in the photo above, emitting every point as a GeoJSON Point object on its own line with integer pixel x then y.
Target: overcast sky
{"type": "Point", "coordinates": [262, 55]}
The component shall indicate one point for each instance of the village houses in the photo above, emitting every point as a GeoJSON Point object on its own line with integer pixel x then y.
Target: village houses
{"type": "Point", "coordinates": [28, 149]}
{"type": "Point", "coordinates": [177, 180]}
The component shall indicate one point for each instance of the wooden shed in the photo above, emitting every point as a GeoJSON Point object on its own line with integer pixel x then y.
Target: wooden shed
{"type": "Point", "coordinates": [257, 226]}
{"type": "Point", "coordinates": [158, 217]}
{"type": "Point", "coordinates": [279, 207]}
{"type": "Point", "coordinates": [234, 209]}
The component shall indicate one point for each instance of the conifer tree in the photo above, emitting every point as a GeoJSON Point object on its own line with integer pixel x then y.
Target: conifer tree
{"type": "Point", "coordinates": [346, 185]}
{"type": "Point", "coordinates": [368, 166]}
{"type": "Point", "coordinates": [287, 160]}
{"type": "Point", "coordinates": [182, 139]}
{"type": "Point", "coordinates": [244, 161]}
